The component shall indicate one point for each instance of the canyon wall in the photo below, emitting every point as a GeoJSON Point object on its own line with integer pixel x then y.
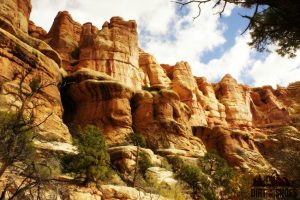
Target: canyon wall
{"type": "Point", "coordinates": [106, 79]}
{"type": "Point", "coordinates": [22, 59]}
{"type": "Point", "coordinates": [119, 87]}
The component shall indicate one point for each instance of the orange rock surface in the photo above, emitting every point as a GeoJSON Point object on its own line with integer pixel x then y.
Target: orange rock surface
{"type": "Point", "coordinates": [109, 81]}
{"type": "Point", "coordinates": [22, 54]}
{"type": "Point", "coordinates": [95, 98]}
{"type": "Point", "coordinates": [16, 12]}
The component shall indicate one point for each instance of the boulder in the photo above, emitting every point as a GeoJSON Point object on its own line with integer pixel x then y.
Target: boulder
{"type": "Point", "coordinates": [124, 157]}
{"type": "Point", "coordinates": [161, 175]}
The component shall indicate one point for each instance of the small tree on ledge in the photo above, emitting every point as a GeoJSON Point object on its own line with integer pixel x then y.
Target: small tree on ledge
{"type": "Point", "coordinates": [92, 161]}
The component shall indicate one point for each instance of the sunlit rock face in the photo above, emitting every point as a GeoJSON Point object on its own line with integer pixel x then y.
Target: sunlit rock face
{"type": "Point", "coordinates": [269, 107]}
{"type": "Point", "coordinates": [164, 120]}
{"type": "Point", "coordinates": [23, 56]}
{"type": "Point", "coordinates": [112, 50]}
{"type": "Point", "coordinates": [237, 147]}
{"type": "Point", "coordinates": [64, 37]}
{"type": "Point", "coordinates": [106, 79]}
{"type": "Point", "coordinates": [16, 12]}
{"type": "Point", "coordinates": [293, 107]}
{"type": "Point", "coordinates": [36, 31]}
{"type": "Point", "coordinates": [236, 99]}
{"type": "Point", "coordinates": [214, 110]}
{"type": "Point", "coordinates": [184, 84]}
{"type": "Point", "coordinates": [94, 98]}
{"type": "Point", "coordinates": [155, 74]}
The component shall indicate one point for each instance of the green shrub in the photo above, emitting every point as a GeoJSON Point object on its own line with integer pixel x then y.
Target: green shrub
{"type": "Point", "coordinates": [165, 164]}
{"type": "Point", "coordinates": [218, 168]}
{"type": "Point", "coordinates": [137, 139]}
{"type": "Point", "coordinates": [198, 182]}
{"type": "Point", "coordinates": [191, 175]}
{"type": "Point", "coordinates": [176, 162]}
{"type": "Point", "coordinates": [172, 192]}
{"type": "Point", "coordinates": [209, 194]}
{"type": "Point", "coordinates": [144, 162]}
{"type": "Point", "coordinates": [45, 169]}
{"type": "Point", "coordinates": [16, 139]}
{"type": "Point", "coordinates": [35, 84]}
{"type": "Point", "coordinates": [151, 185]}
{"type": "Point", "coordinates": [92, 161]}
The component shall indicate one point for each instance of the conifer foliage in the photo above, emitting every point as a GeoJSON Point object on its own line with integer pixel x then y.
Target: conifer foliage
{"type": "Point", "coordinates": [91, 163]}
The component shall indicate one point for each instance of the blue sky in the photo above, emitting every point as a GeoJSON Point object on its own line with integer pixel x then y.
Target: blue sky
{"type": "Point", "coordinates": [235, 26]}
{"type": "Point", "coordinates": [213, 46]}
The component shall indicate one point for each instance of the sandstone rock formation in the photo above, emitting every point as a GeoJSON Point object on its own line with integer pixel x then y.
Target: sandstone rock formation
{"type": "Point", "coordinates": [36, 31]}
{"type": "Point", "coordinates": [161, 175]}
{"type": "Point", "coordinates": [112, 50]}
{"type": "Point", "coordinates": [184, 84]}
{"type": "Point", "coordinates": [164, 120]}
{"type": "Point", "coordinates": [172, 102]}
{"type": "Point", "coordinates": [268, 107]}
{"type": "Point", "coordinates": [237, 147]}
{"type": "Point", "coordinates": [293, 90]}
{"type": "Point", "coordinates": [281, 148]}
{"type": "Point", "coordinates": [16, 13]}
{"type": "Point", "coordinates": [95, 98]}
{"type": "Point", "coordinates": [105, 79]}
{"type": "Point", "coordinates": [236, 99]}
{"type": "Point", "coordinates": [21, 54]}
{"type": "Point", "coordinates": [64, 37]}
{"type": "Point", "coordinates": [155, 74]}
{"type": "Point", "coordinates": [214, 110]}
{"type": "Point", "coordinates": [111, 192]}
{"type": "Point", "coordinates": [124, 158]}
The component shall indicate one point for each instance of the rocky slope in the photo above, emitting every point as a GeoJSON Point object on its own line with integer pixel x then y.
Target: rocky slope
{"type": "Point", "coordinates": [102, 77]}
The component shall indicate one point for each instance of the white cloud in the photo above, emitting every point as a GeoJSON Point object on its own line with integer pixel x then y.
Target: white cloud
{"type": "Point", "coordinates": [171, 38]}
{"type": "Point", "coordinates": [156, 13]}
{"type": "Point", "coordinates": [276, 70]}
{"type": "Point", "coordinates": [235, 61]}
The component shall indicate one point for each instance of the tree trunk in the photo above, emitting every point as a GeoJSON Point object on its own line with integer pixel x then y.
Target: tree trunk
{"type": "Point", "coordinates": [2, 197]}
{"type": "Point", "coordinates": [136, 164]}
{"type": "Point", "coordinates": [3, 168]}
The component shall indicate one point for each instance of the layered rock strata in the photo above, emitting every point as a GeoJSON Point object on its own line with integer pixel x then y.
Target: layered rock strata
{"type": "Point", "coordinates": [164, 120]}
{"type": "Point", "coordinates": [23, 59]}
{"type": "Point", "coordinates": [236, 99]}
{"type": "Point", "coordinates": [95, 98]}
{"type": "Point", "coordinates": [110, 82]}
{"type": "Point", "coordinates": [164, 103]}
{"type": "Point", "coordinates": [16, 13]}
{"type": "Point", "coordinates": [184, 84]}
{"type": "Point", "coordinates": [112, 50]}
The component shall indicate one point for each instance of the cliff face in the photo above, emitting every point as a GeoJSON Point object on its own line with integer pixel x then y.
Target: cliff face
{"type": "Point", "coordinates": [117, 86]}
{"type": "Point", "coordinates": [112, 50]}
{"type": "Point", "coordinates": [24, 57]}
{"type": "Point", "coordinates": [16, 13]}
{"type": "Point", "coordinates": [105, 79]}
{"type": "Point", "coordinates": [100, 100]}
